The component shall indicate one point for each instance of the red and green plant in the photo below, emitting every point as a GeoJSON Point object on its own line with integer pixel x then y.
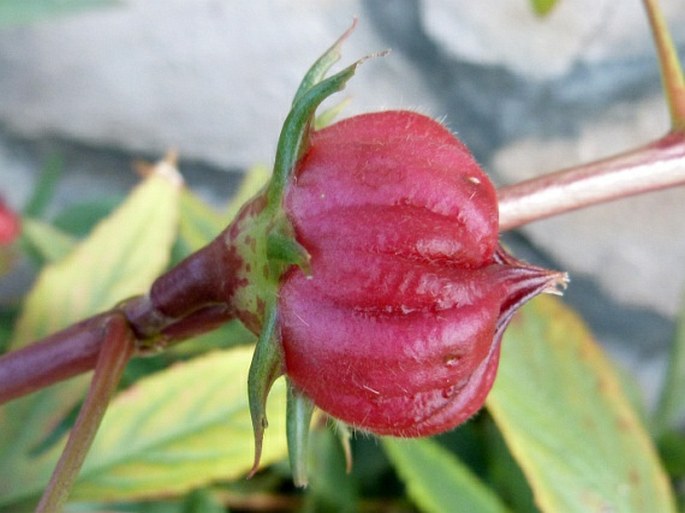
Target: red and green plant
{"type": "Point", "coordinates": [369, 271]}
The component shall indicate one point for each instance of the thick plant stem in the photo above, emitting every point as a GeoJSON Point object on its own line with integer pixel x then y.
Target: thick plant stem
{"type": "Point", "coordinates": [117, 348]}
{"type": "Point", "coordinates": [190, 299]}
{"type": "Point", "coordinates": [59, 356]}
{"type": "Point", "coordinates": [74, 350]}
{"type": "Point", "coordinates": [671, 70]}
{"type": "Point", "coordinates": [658, 165]}
{"type": "Point", "coordinates": [202, 282]}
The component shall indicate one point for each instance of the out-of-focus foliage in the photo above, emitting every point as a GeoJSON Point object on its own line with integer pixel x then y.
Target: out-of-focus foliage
{"type": "Point", "coordinates": [543, 7]}
{"type": "Point", "coordinates": [16, 12]}
{"type": "Point", "coordinates": [562, 411]}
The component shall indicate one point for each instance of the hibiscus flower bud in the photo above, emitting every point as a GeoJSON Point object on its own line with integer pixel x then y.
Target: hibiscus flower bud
{"type": "Point", "coordinates": [397, 328]}
{"type": "Point", "coordinates": [394, 324]}
{"type": "Point", "coordinates": [371, 270]}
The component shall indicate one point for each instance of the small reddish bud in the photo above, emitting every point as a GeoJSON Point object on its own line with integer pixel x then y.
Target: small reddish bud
{"type": "Point", "coordinates": [10, 225]}
{"type": "Point", "coordinates": [396, 328]}
{"type": "Point", "coordinates": [10, 228]}
{"type": "Point", "coordinates": [384, 290]}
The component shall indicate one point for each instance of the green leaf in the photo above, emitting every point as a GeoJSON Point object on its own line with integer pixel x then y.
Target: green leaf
{"type": "Point", "coordinates": [543, 7]}
{"type": "Point", "coordinates": [8, 315]}
{"type": "Point", "coordinates": [672, 449]}
{"type": "Point", "coordinates": [230, 334]}
{"type": "Point", "coordinates": [199, 223]}
{"type": "Point", "coordinates": [328, 116]}
{"type": "Point", "coordinates": [560, 407]}
{"type": "Point", "coordinates": [504, 473]}
{"type": "Point", "coordinates": [119, 259]}
{"type": "Point", "coordinates": [45, 241]}
{"type": "Point", "coordinates": [13, 12]}
{"type": "Point", "coordinates": [671, 409]}
{"type": "Point", "coordinates": [202, 501]}
{"type": "Point", "coordinates": [255, 179]}
{"type": "Point", "coordinates": [45, 187]}
{"type": "Point", "coordinates": [79, 219]}
{"type": "Point", "coordinates": [437, 481]}
{"type": "Point", "coordinates": [331, 488]}
{"type": "Point", "coordinates": [180, 429]}
{"type": "Point", "coordinates": [152, 506]}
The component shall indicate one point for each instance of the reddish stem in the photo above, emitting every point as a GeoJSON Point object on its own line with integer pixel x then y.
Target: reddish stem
{"type": "Point", "coordinates": [658, 165]}
{"type": "Point", "coordinates": [199, 287]}
{"type": "Point", "coordinates": [116, 350]}
{"type": "Point", "coordinates": [192, 298]}
{"type": "Point", "coordinates": [60, 356]}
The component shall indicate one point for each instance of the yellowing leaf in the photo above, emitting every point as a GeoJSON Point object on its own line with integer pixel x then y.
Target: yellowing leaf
{"type": "Point", "coordinates": [119, 259]}
{"type": "Point", "coordinates": [199, 223]}
{"type": "Point", "coordinates": [255, 178]}
{"type": "Point", "coordinates": [437, 481]}
{"type": "Point", "coordinates": [122, 256]}
{"type": "Point", "coordinates": [181, 428]}
{"type": "Point", "coordinates": [559, 405]}
{"type": "Point", "coordinates": [50, 243]}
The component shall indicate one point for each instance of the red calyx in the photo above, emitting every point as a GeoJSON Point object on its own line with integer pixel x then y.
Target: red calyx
{"type": "Point", "coordinates": [397, 330]}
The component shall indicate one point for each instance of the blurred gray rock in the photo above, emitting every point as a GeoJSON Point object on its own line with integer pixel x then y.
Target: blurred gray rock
{"type": "Point", "coordinates": [15, 180]}
{"type": "Point", "coordinates": [210, 78]}
{"type": "Point", "coordinates": [634, 248]}
{"type": "Point", "coordinates": [508, 33]}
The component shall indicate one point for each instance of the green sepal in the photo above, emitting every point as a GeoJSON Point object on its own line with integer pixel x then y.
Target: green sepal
{"type": "Point", "coordinates": [283, 249]}
{"type": "Point", "coordinates": [294, 135]}
{"type": "Point", "coordinates": [329, 115]}
{"type": "Point", "coordinates": [313, 90]}
{"type": "Point", "coordinates": [266, 367]}
{"type": "Point", "coordinates": [344, 436]}
{"type": "Point", "coordinates": [318, 70]}
{"type": "Point", "coordinates": [299, 409]}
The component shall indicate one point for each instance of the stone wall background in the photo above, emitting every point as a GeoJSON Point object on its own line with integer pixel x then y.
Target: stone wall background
{"type": "Point", "coordinates": [214, 78]}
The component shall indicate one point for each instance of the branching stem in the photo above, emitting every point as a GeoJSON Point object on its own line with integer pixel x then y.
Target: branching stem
{"type": "Point", "coordinates": [59, 356]}
{"type": "Point", "coordinates": [671, 71]}
{"type": "Point", "coordinates": [658, 165]}
{"type": "Point", "coordinates": [117, 348]}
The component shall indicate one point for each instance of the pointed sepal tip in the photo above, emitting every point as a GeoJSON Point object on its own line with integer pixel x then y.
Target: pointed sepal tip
{"type": "Point", "coordinates": [299, 411]}
{"type": "Point", "coordinates": [266, 367]}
